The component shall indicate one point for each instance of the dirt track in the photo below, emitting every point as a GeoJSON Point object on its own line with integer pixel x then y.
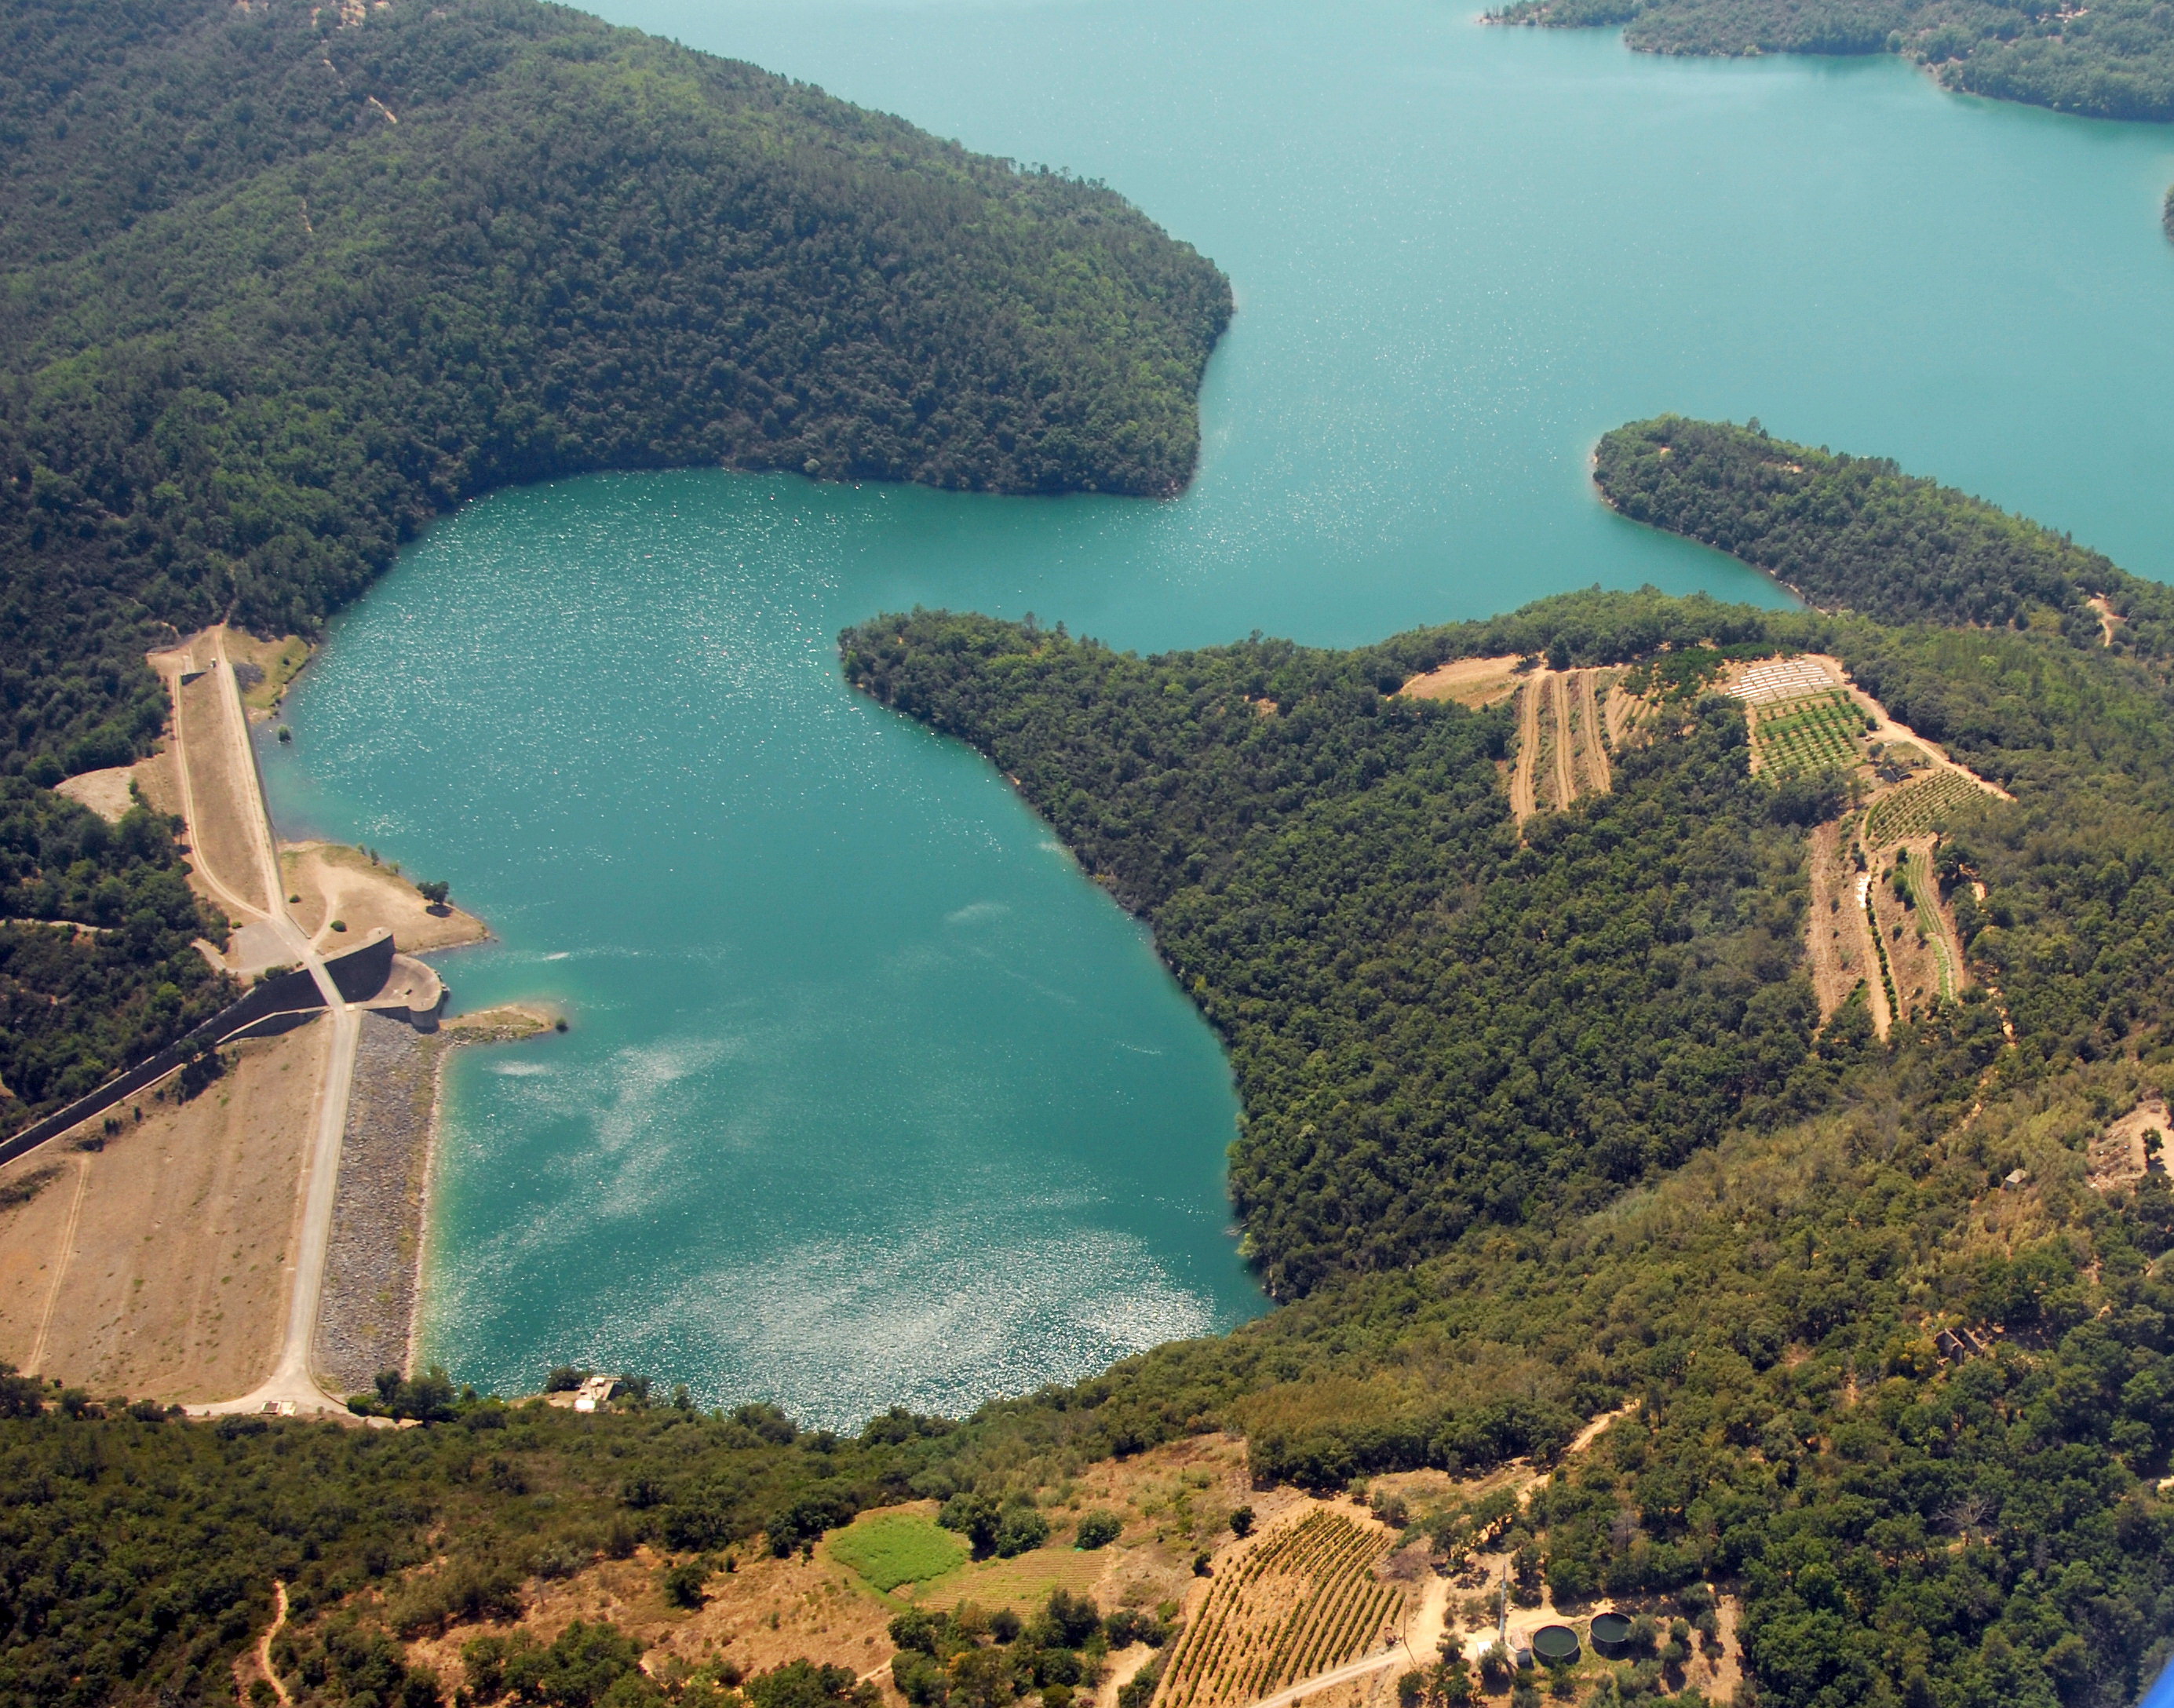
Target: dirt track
{"type": "Point", "coordinates": [1522, 803]}
{"type": "Point", "coordinates": [1838, 937]}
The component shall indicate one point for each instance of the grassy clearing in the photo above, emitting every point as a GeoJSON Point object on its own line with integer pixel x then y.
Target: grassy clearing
{"type": "Point", "coordinates": [889, 1549]}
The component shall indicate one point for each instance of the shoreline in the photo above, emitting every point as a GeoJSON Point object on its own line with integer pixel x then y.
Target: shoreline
{"type": "Point", "coordinates": [506, 1023]}
{"type": "Point", "coordinates": [369, 1320]}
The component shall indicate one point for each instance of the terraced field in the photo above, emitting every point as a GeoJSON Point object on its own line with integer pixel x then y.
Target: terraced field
{"type": "Point", "coordinates": [1303, 1600]}
{"type": "Point", "coordinates": [1817, 732]}
{"type": "Point", "coordinates": [1912, 809]}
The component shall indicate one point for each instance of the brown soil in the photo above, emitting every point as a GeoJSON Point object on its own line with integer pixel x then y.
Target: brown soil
{"type": "Point", "coordinates": [1523, 801]}
{"type": "Point", "coordinates": [2110, 620]}
{"type": "Point", "coordinates": [156, 777]}
{"type": "Point", "coordinates": [104, 792]}
{"type": "Point", "coordinates": [1563, 739]}
{"type": "Point", "coordinates": [226, 804]}
{"type": "Point", "coordinates": [2117, 1155]}
{"type": "Point", "coordinates": [1566, 748]}
{"type": "Point", "coordinates": [174, 1284]}
{"type": "Point", "coordinates": [1838, 937]}
{"type": "Point", "coordinates": [1472, 682]}
{"type": "Point", "coordinates": [337, 882]}
{"type": "Point", "coordinates": [1591, 731]}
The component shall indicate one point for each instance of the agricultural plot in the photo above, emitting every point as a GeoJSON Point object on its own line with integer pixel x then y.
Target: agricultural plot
{"type": "Point", "coordinates": [1818, 733]}
{"type": "Point", "coordinates": [1302, 1601]}
{"type": "Point", "coordinates": [1912, 809]}
{"type": "Point", "coordinates": [889, 1549]}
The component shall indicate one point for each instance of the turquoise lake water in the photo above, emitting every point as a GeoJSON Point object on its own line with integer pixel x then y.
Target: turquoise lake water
{"type": "Point", "coordinates": [870, 1097]}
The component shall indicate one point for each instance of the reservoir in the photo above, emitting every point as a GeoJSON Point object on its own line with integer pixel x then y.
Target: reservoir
{"type": "Point", "coordinates": [870, 1098]}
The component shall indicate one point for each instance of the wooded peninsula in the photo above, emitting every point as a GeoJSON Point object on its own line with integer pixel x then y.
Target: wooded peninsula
{"type": "Point", "coordinates": [2108, 60]}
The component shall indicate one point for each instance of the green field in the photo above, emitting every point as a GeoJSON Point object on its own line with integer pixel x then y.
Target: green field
{"type": "Point", "coordinates": [890, 1548]}
{"type": "Point", "coordinates": [1820, 733]}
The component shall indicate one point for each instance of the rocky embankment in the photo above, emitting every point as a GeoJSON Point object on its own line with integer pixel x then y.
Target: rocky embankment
{"type": "Point", "coordinates": [377, 1221]}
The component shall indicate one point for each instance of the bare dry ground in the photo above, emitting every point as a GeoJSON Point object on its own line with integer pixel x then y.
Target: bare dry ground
{"type": "Point", "coordinates": [336, 882]}
{"type": "Point", "coordinates": [1594, 738]}
{"type": "Point", "coordinates": [2119, 1157]}
{"type": "Point", "coordinates": [1524, 774]}
{"type": "Point", "coordinates": [1174, 1499]}
{"type": "Point", "coordinates": [105, 792]}
{"type": "Point", "coordinates": [156, 1266]}
{"type": "Point", "coordinates": [1472, 682]}
{"type": "Point", "coordinates": [1564, 738]}
{"type": "Point", "coordinates": [1838, 936]}
{"type": "Point", "coordinates": [219, 832]}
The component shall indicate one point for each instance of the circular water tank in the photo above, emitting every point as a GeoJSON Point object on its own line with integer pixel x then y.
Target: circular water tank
{"type": "Point", "coordinates": [1552, 1643]}
{"type": "Point", "coordinates": [1611, 1632]}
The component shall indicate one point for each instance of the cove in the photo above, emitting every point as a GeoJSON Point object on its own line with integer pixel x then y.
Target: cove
{"type": "Point", "coordinates": [871, 1097]}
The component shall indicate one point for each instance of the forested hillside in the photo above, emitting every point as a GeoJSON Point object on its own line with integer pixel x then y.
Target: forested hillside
{"type": "Point", "coordinates": [116, 976]}
{"type": "Point", "coordinates": [278, 281]}
{"type": "Point", "coordinates": [1396, 977]}
{"type": "Point", "coordinates": [2110, 61]}
{"type": "Point", "coordinates": [1432, 1024]}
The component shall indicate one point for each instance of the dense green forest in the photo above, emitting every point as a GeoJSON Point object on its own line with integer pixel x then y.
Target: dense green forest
{"type": "Point", "coordinates": [2110, 61]}
{"type": "Point", "coordinates": [117, 978]}
{"type": "Point", "coordinates": [1855, 533]}
{"type": "Point", "coordinates": [276, 289]}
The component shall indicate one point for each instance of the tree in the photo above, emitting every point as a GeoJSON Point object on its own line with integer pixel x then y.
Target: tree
{"type": "Point", "coordinates": [434, 892]}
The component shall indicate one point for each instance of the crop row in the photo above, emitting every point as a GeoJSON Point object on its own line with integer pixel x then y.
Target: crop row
{"type": "Point", "coordinates": [1234, 1638]}
{"type": "Point", "coordinates": [1299, 1604]}
{"type": "Point", "coordinates": [1809, 734]}
{"type": "Point", "coordinates": [1911, 810]}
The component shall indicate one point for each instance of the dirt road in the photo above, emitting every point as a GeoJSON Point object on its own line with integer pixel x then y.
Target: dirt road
{"type": "Point", "coordinates": [219, 732]}
{"type": "Point", "coordinates": [1597, 771]}
{"type": "Point", "coordinates": [1521, 804]}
